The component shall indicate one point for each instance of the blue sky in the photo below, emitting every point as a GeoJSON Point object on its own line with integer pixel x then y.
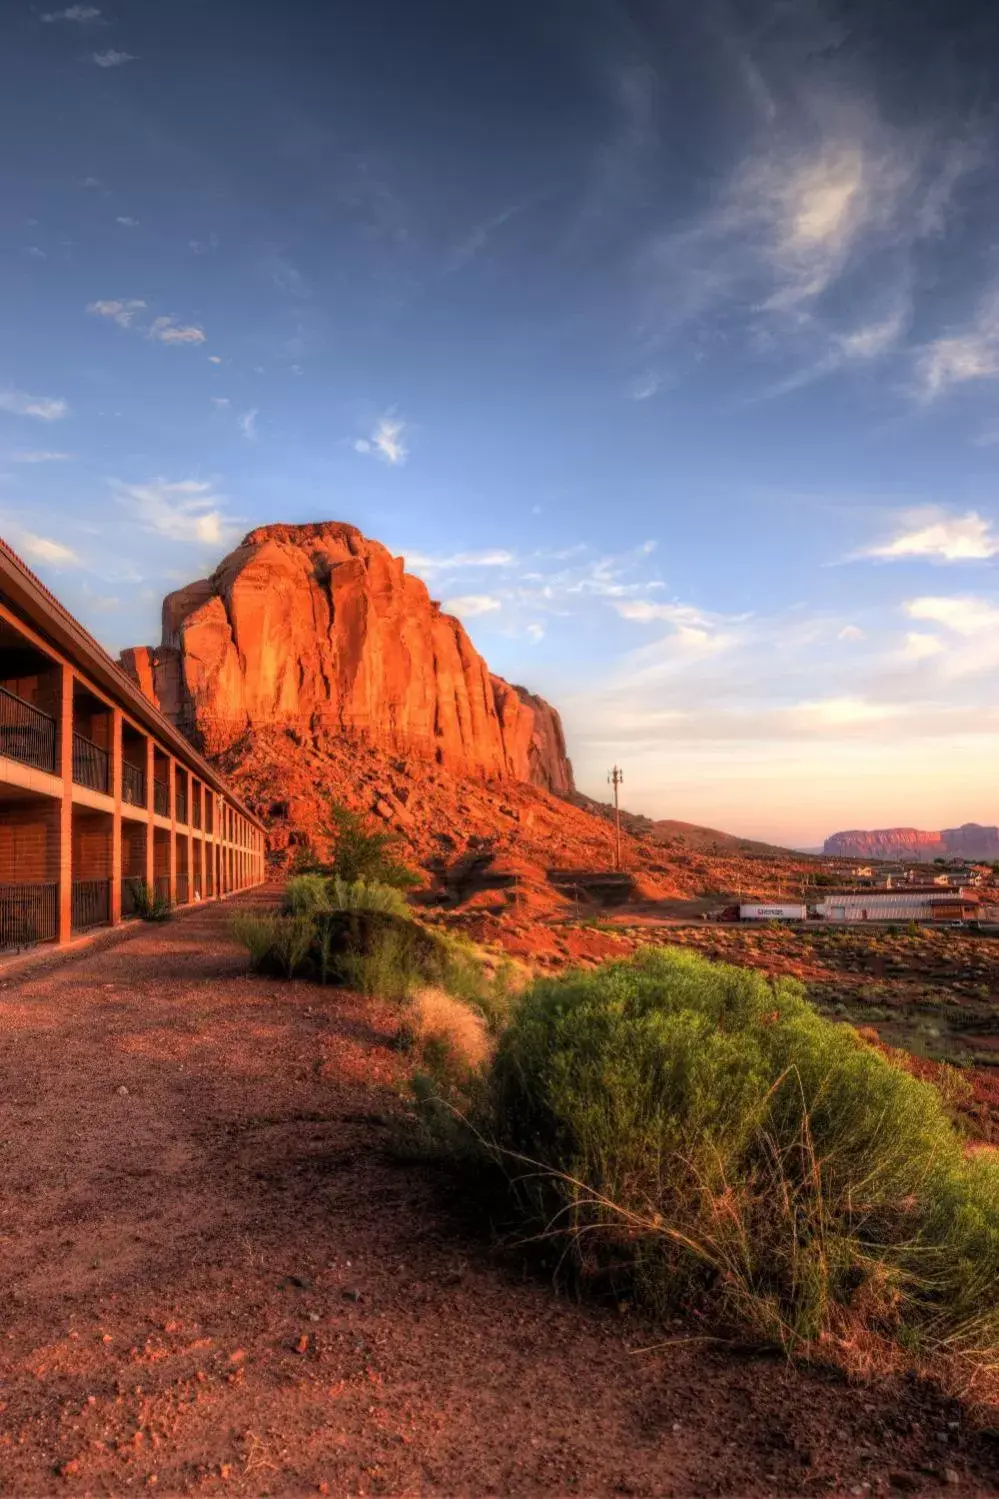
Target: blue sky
{"type": "Point", "coordinates": [662, 340]}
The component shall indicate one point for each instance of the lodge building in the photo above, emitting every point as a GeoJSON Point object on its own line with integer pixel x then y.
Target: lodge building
{"type": "Point", "coordinates": [99, 793]}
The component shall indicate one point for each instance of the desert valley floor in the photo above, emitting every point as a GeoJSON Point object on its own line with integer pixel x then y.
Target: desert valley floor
{"type": "Point", "coordinates": [221, 1274]}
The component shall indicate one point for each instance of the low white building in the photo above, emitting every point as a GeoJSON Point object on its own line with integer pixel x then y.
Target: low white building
{"type": "Point", "coordinates": [927, 904]}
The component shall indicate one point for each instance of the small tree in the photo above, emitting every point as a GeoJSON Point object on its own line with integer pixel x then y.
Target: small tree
{"type": "Point", "coordinates": [360, 853]}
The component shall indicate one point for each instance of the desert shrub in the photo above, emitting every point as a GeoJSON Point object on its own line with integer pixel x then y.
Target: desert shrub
{"type": "Point", "coordinates": [254, 930]}
{"type": "Point", "coordinates": [276, 944]}
{"type": "Point", "coordinates": [363, 853]}
{"type": "Point", "coordinates": [305, 894]}
{"type": "Point", "coordinates": [150, 906]}
{"type": "Point", "coordinates": [704, 1132]}
{"type": "Point", "coordinates": [452, 1038]}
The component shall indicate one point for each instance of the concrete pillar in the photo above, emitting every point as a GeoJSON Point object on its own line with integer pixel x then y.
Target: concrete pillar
{"type": "Point", "coordinates": [65, 769]}
{"type": "Point", "coordinates": [116, 749]}
{"type": "Point", "coordinates": [150, 830]}
{"type": "Point", "coordinates": [172, 774]}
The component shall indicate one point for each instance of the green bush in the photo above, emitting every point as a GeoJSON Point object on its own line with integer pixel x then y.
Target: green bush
{"type": "Point", "coordinates": [255, 930]}
{"type": "Point", "coordinates": [705, 1132]}
{"type": "Point", "coordinates": [362, 854]}
{"type": "Point", "coordinates": [276, 944]}
{"type": "Point", "coordinates": [304, 894]}
{"type": "Point", "coordinates": [150, 906]}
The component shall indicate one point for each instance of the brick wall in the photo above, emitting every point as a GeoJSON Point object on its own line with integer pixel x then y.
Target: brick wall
{"type": "Point", "coordinates": [133, 849]}
{"type": "Point", "coordinates": [29, 843]}
{"type": "Point", "coordinates": [91, 845]}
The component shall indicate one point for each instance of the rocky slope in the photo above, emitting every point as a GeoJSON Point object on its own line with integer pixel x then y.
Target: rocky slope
{"type": "Point", "coordinates": [970, 841]}
{"type": "Point", "coordinates": [317, 628]}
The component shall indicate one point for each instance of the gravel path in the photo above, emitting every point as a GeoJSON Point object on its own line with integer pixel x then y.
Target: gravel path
{"type": "Point", "coordinates": [216, 1277]}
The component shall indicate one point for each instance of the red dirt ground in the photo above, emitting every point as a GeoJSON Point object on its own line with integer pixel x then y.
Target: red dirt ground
{"type": "Point", "coordinates": [217, 1277]}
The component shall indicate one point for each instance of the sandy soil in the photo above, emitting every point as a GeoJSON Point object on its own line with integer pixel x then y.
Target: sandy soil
{"type": "Point", "coordinates": [217, 1276]}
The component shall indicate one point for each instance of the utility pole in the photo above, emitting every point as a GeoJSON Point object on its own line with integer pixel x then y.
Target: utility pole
{"type": "Point", "coordinates": [614, 778]}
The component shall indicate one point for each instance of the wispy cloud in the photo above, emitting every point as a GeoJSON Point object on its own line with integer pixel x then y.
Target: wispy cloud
{"type": "Point", "coordinates": [965, 615]}
{"type": "Point", "coordinates": [125, 312]}
{"type": "Point", "coordinates": [79, 13]}
{"type": "Point", "coordinates": [937, 535]}
{"type": "Point", "coordinates": [644, 386]}
{"type": "Point", "coordinates": [387, 441]}
{"type": "Point", "coordinates": [167, 330]}
{"type": "Point", "coordinates": [247, 424]}
{"type": "Point", "coordinates": [425, 562]}
{"type": "Point", "coordinates": [33, 455]}
{"type": "Point", "coordinates": [203, 246]}
{"type": "Point", "coordinates": [221, 401]}
{"type": "Point", "coordinates": [112, 58]}
{"type": "Point", "coordinates": [182, 510]}
{"type": "Point", "coordinates": [45, 549]}
{"type": "Point", "coordinates": [46, 408]}
{"type": "Point", "coordinates": [960, 357]}
{"type": "Point", "coordinates": [471, 605]}
{"type": "Point", "coordinates": [126, 221]}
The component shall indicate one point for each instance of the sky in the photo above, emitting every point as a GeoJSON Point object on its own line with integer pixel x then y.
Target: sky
{"type": "Point", "coordinates": [662, 340]}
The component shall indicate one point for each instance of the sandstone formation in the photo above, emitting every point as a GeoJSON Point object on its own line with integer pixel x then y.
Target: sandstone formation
{"type": "Point", "coordinates": [970, 841]}
{"type": "Point", "coordinates": [316, 628]}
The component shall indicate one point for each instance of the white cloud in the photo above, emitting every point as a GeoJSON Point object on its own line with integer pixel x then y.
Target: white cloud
{"type": "Point", "coordinates": [214, 359]}
{"type": "Point", "coordinates": [871, 340]}
{"type": "Point", "coordinates": [837, 712]}
{"type": "Point", "coordinates": [967, 615]}
{"type": "Point", "coordinates": [46, 408]}
{"type": "Point", "coordinates": [955, 359]}
{"type": "Point", "coordinates": [124, 312]}
{"type": "Point", "coordinates": [643, 387]}
{"type": "Point", "coordinates": [126, 221]}
{"type": "Point", "coordinates": [386, 442]}
{"type": "Point", "coordinates": [40, 456]}
{"type": "Point", "coordinates": [938, 535]}
{"type": "Point", "coordinates": [166, 330]}
{"type": "Point", "coordinates": [469, 605]}
{"type": "Point", "coordinates": [44, 549]}
{"type": "Point", "coordinates": [112, 59]}
{"type": "Point", "coordinates": [535, 630]}
{"type": "Point", "coordinates": [920, 647]}
{"type": "Point", "coordinates": [79, 13]}
{"type": "Point", "coordinates": [184, 510]}
{"type": "Point", "coordinates": [220, 401]}
{"type": "Point", "coordinates": [203, 246]}
{"type": "Point", "coordinates": [851, 632]}
{"type": "Point", "coordinates": [494, 557]}
{"type": "Point", "coordinates": [247, 424]}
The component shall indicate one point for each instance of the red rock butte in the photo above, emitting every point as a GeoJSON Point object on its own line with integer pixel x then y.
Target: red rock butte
{"type": "Point", "coordinates": [314, 627]}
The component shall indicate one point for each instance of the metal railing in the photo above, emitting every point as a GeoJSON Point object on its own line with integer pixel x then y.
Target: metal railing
{"type": "Point", "coordinates": [131, 884]}
{"type": "Point", "coordinates": [161, 887]}
{"type": "Point", "coordinates": [26, 733]}
{"type": "Point", "coordinates": [161, 798]}
{"type": "Point", "coordinates": [91, 903]}
{"type": "Point", "coordinates": [181, 805]}
{"type": "Point", "coordinates": [182, 887]}
{"type": "Point", "coordinates": [28, 914]}
{"type": "Point", "coordinates": [90, 764]}
{"type": "Point", "coordinates": [133, 784]}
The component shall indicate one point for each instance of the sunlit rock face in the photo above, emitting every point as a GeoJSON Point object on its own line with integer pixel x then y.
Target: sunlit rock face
{"type": "Point", "coordinates": [318, 628]}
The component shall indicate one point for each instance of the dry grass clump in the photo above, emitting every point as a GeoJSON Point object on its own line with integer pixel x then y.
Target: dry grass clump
{"type": "Point", "coordinates": [439, 1022]}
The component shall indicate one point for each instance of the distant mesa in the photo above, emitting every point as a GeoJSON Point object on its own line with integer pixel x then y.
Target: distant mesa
{"type": "Point", "coordinates": [318, 629]}
{"type": "Point", "coordinates": [971, 841]}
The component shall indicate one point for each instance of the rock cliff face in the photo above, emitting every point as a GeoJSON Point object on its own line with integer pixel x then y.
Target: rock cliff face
{"type": "Point", "coordinates": [971, 841]}
{"type": "Point", "coordinates": [318, 628]}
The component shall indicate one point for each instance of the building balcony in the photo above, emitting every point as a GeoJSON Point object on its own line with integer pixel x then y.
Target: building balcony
{"type": "Point", "coordinates": [133, 785]}
{"type": "Point", "coordinates": [26, 733]}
